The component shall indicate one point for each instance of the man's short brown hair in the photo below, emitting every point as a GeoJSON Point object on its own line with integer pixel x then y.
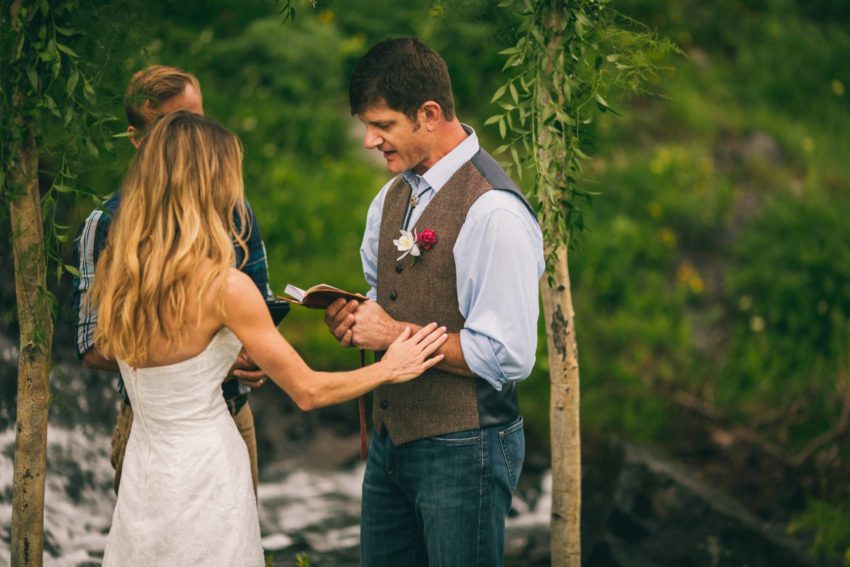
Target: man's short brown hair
{"type": "Point", "coordinates": [403, 73]}
{"type": "Point", "coordinates": [149, 88]}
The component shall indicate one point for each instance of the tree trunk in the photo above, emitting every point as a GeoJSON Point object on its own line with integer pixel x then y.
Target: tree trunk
{"type": "Point", "coordinates": [564, 530]}
{"type": "Point", "coordinates": [563, 416]}
{"type": "Point", "coordinates": [36, 334]}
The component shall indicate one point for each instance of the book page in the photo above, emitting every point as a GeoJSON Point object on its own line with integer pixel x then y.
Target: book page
{"type": "Point", "coordinates": [295, 293]}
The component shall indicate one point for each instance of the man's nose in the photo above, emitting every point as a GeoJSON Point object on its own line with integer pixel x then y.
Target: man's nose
{"type": "Point", "coordinates": [372, 141]}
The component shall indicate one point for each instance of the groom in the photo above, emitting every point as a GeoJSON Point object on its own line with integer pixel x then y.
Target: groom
{"type": "Point", "coordinates": [152, 92]}
{"type": "Point", "coordinates": [447, 448]}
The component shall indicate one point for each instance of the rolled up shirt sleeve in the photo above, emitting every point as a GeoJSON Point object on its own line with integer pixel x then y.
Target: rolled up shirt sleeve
{"type": "Point", "coordinates": [499, 262]}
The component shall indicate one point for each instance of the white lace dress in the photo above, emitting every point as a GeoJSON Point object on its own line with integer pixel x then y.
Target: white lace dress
{"type": "Point", "coordinates": [186, 495]}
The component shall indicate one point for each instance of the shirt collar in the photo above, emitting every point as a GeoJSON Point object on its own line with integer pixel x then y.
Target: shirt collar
{"type": "Point", "coordinates": [439, 174]}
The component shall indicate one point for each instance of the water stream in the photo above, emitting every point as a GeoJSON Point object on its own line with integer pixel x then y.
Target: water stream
{"type": "Point", "coordinates": [312, 511]}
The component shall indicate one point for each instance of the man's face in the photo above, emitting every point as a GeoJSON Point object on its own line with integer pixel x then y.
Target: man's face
{"type": "Point", "coordinates": [403, 142]}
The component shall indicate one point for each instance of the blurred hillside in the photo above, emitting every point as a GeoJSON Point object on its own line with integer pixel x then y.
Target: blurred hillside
{"type": "Point", "coordinates": [712, 286]}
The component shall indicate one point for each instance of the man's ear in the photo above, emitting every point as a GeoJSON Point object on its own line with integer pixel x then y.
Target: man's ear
{"type": "Point", "coordinates": [432, 114]}
{"type": "Point", "coordinates": [134, 138]}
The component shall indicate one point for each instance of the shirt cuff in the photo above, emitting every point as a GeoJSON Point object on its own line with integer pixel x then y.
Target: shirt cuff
{"type": "Point", "coordinates": [481, 358]}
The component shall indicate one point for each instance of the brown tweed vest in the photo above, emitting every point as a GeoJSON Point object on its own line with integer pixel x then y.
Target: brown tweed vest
{"type": "Point", "coordinates": [438, 402]}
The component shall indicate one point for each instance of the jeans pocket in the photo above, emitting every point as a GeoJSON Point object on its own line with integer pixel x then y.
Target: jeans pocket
{"type": "Point", "coordinates": [459, 438]}
{"type": "Point", "coordinates": [512, 440]}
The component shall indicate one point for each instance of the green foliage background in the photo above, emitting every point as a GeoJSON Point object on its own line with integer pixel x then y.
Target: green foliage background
{"type": "Point", "coordinates": [716, 261]}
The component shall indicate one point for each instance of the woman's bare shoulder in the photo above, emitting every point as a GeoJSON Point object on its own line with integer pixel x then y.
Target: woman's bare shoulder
{"type": "Point", "coordinates": [241, 291]}
{"type": "Point", "coordinates": [239, 283]}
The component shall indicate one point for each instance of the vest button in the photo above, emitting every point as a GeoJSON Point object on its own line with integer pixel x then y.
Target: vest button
{"type": "Point", "coordinates": [398, 268]}
{"type": "Point", "coordinates": [383, 404]}
{"type": "Point", "coordinates": [393, 295]}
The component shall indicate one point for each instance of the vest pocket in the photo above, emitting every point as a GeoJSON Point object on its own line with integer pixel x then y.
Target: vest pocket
{"type": "Point", "coordinates": [512, 440]}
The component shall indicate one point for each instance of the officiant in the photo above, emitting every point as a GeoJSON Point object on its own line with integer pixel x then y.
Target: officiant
{"type": "Point", "coordinates": [450, 239]}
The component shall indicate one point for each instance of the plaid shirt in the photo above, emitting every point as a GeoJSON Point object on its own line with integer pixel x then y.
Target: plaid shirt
{"type": "Point", "coordinates": [89, 243]}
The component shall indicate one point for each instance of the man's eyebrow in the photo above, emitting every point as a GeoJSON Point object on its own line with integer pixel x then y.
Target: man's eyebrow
{"type": "Point", "coordinates": [386, 122]}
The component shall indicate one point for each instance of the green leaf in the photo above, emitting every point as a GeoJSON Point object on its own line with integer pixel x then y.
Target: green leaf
{"type": "Point", "coordinates": [64, 31]}
{"type": "Point", "coordinates": [67, 50]}
{"type": "Point", "coordinates": [499, 93]}
{"type": "Point", "coordinates": [72, 82]}
{"type": "Point", "coordinates": [51, 106]}
{"type": "Point", "coordinates": [88, 91]}
{"type": "Point", "coordinates": [603, 104]}
{"type": "Point", "coordinates": [564, 117]}
{"type": "Point", "coordinates": [492, 120]}
{"type": "Point", "coordinates": [20, 48]}
{"type": "Point", "coordinates": [509, 51]}
{"type": "Point", "coordinates": [72, 270]}
{"type": "Point", "coordinates": [514, 93]}
{"type": "Point", "coordinates": [63, 188]}
{"type": "Point", "coordinates": [500, 149]}
{"type": "Point", "coordinates": [92, 148]}
{"type": "Point", "coordinates": [49, 53]}
{"type": "Point", "coordinates": [502, 127]}
{"type": "Point", "coordinates": [33, 77]}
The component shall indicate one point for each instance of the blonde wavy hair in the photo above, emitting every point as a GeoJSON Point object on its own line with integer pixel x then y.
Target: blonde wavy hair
{"type": "Point", "coordinates": [182, 205]}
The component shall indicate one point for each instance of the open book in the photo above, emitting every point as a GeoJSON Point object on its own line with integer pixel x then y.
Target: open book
{"type": "Point", "coordinates": [319, 296]}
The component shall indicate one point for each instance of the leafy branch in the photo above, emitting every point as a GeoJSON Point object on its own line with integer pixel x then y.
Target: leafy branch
{"type": "Point", "coordinates": [568, 56]}
{"type": "Point", "coordinates": [46, 84]}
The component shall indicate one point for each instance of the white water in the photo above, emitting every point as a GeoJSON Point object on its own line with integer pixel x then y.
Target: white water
{"type": "Point", "coordinates": [300, 510]}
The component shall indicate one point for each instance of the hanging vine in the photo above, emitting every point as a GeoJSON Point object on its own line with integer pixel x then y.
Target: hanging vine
{"type": "Point", "coordinates": [50, 92]}
{"type": "Point", "coordinates": [568, 56]}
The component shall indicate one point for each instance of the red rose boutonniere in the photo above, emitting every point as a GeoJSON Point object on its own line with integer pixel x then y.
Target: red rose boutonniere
{"type": "Point", "coordinates": [426, 239]}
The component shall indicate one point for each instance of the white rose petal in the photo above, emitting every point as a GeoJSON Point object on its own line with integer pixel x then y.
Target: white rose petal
{"type": "Point", "coordinates": [406, 243]}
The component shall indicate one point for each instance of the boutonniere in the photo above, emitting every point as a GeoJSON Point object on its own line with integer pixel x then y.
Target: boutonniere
{"type": "Point", "coordinates": [414, 243]}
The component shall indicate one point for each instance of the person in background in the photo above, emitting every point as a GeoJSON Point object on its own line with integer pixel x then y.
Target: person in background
{"type": "Point", "coordinates": [152, 92]}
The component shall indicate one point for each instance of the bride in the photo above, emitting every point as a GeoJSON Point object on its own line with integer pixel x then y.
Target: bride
{"type": "Point", "coordinates": [174, 313]}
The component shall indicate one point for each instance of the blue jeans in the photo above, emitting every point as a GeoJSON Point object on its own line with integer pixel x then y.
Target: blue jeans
{"type": "Point", "coordinates": [440, 501]}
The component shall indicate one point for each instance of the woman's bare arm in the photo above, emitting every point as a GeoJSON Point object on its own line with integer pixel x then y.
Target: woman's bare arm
{"type": "Point", "coordinates": [248, 318]}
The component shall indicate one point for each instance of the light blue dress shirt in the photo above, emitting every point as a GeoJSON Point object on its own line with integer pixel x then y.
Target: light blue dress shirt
{"type": "Point", "coordinates": [498, 260]}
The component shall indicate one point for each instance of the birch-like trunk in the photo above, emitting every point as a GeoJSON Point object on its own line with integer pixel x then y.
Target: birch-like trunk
{"type": "Point", "coordinates": [563, 417]}
{"type": "Point", "coordinates": [36, 334]}
{"type": "Point", "coordinates": [565, 533]}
